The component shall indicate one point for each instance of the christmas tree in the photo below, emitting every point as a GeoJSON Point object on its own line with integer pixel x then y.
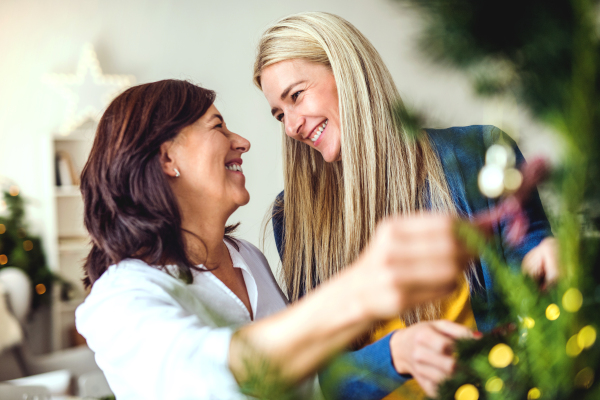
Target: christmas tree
{"type": "Point", "coordinates": [18, 248]}
{"type": "Point", "coordinates": [544, 54]}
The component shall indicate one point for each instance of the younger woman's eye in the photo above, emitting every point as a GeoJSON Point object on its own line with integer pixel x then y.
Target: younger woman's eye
{"type": "Point", "coordinates": [279, 117]}
{"type": "Point", "coordinates": [295, 95]}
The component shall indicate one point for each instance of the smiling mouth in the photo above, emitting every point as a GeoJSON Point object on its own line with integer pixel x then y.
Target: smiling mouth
{"type": "Point", "coordinates": [319, 131]}
{"type": "Point", "coordinates": [234, 167]}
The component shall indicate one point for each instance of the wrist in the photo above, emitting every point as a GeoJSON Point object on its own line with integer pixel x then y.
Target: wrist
{"type": "Point", "coordinates": [396, 346]}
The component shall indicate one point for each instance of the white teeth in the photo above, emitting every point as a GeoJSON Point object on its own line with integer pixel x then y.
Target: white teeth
{"type": "Point", "coordinates": [234, 167]}
{"type": "Point", "coordinates": [319, 131]}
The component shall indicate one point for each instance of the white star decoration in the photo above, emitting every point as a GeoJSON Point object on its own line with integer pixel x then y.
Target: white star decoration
{"type": "Point", "coordinates": [88, 91]}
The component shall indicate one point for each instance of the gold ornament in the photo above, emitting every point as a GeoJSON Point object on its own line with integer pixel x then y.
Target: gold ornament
{"type": "Point", "coordinates": [572, 300]}
{"type": "Point", "coordinates": [88, 91]}
{"type": "Point", "coordinates": [534, 393]}
{"type": "Point", "coordinates": [552, 312]}
{"type": "Point", "coordinates": [2, 229]}
{"type": "Point", "coordinates": [584, 378]}
{"type": "Point", "coordinates": [500, 356]}
{"type": "Point", "coordinates": [586, 337]}
{"type": "Point", "coordinates": [467, 392]}
{"type": "Point", "coordinates": [573, 348]}
{"type": "Point", "coordinates": [3, 259]}
{"type": "Point", "coordinates": [494, 384]}
{"type": "Point", "coordinates": [28, 245]}
{"type": "Point", "coordinates": [13, 190]}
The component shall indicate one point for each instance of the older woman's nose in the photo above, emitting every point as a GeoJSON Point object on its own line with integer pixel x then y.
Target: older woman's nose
{"type": "Point", "coordinates": [240, 143]}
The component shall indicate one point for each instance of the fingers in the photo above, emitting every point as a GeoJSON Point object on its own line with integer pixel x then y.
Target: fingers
{"type": "Point", "coordinates": [541, 263]}
{"type": "Point", "coordinates": [452, 329]}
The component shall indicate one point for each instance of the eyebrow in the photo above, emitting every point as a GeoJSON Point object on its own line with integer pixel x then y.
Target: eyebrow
{"type": "Point", "coordinates": [216, 116]}
{"type": "Point", "coordinates": [285, 93]}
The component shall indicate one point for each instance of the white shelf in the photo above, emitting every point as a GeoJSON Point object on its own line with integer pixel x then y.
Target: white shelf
{"type": "Point", "coordinates": [74, 244]}
{"type": "Point", "coordinates": [67, 191]}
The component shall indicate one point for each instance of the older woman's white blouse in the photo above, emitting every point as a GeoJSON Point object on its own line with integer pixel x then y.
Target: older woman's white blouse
{"type": "Point", "coordinates": [156, 337]}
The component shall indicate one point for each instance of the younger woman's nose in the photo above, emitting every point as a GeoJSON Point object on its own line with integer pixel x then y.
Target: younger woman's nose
{"type": "Point", "coordinates": [293, 125]}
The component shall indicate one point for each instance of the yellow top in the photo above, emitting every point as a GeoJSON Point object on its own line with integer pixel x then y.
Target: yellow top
{"type": "Point", "coordinates": [456, 308]}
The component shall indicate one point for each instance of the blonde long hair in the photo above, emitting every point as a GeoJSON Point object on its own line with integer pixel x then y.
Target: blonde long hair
{"type": "Point", "coordinates": [331, 209]}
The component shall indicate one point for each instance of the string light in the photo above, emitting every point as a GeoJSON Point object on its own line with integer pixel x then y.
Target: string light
{"type": "Point", "coordinates": [572, 300]}
{"type": "Point", "coordinates": [500, 356]}
{"type": "Point", "coordinates": [528, 322]}
{"type": "Point", "coordinates": [3, 206]}
{"type": "Point", "coordinates": [491, 181]}
{"type": "Point", "coordinates": [498, 175]}
{"type": "Point", "coordinates": [494, 384]}
{"type": "Point", "coordinates": [586, 337]}
{"type": "Point", "coordinates": [467, 392]}
{"type": "Point", "coordinates": [28, 245]}
{"type": "Point", "coordinates": [534, 393]}
{"type": "Point", "coordinates": [573, 347]}
{"type": "Point", "coordinates": [584, 378]}
{"type": "Point", "coordinates": [2, 229]}
{"type": "Point", "coordinates": [40, 288]}
{"type": "Point", "coordinates": [13, 190]}
{"type": "Point", "coordinates": [88, 91]}
{"type": "Point", "coordinates": [3, 259]}
{"type": "Point", "coordinates": [552, 312]}
{"type": "Point", "coordinates": [512, 179]}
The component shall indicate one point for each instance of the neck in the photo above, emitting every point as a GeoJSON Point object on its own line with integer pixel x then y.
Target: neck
{"type": "Point", "coordinates": [203, 232]}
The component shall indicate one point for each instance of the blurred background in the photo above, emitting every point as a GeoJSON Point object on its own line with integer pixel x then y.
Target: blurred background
{"type": "Point", "coordinates": [209, 43]}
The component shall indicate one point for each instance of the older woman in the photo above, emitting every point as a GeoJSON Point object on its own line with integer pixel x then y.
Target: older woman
{"type": "Point", "coordinates": [348, 163]}
{"type": "Point", "coordinates": [179, 309]}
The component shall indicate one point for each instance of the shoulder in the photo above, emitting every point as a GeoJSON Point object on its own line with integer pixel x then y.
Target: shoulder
{"type": "Point", "coordinates": [479, 136]}
{"type": "Point", "coordinates": [127, 288]}
{"type": "Point", "coordinates": [250, 252]}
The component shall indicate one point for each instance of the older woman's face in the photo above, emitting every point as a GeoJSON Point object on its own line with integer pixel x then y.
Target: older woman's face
{"type": "Point", "coordinates": [208, 156]}
{"type": "Point", "coordinates": [303, 96]}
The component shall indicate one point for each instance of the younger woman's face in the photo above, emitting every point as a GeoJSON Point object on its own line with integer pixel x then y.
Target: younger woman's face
{"type": "Point", "coordinates": [209, 159]}
{"type": "Point", "coordinates": [303, 96]}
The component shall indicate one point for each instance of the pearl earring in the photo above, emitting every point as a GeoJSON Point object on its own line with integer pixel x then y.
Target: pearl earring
{"type": "Point", "coordinates": [177, 174]}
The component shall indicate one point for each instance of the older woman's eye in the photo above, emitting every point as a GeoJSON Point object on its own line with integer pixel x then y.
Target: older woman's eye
{"type": "Point", "coordinates": [219, 125]}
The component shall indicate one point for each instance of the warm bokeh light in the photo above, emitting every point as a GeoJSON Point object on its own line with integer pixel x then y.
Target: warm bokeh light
{"type": "Point", "coordinates": [3, 259]}
{"type": "Point", "coordinates": [491, 180]}
{"type": "Point", "coordinates": [584, 378]}
{"type": "Point", "coordinates": [572, 300]}
{"type": "Point", "coordinates": [13, 190]}
{"type": "Point", "coordinates": [28, 245]}
{"type": "Point", "coordinates": [533, 394]}
{"type": "Point", "coordinates": [2, 229]}
{"type": "Point", "coordinates": [512, 179]}
{"type": "Point", "coordinates": [528, 322]}
{"type": "Point", "coordinates": [501, 356]}
{"type": "Point", "coordinates": [552, 312]}
{"type": "Point", "coordinates": [586, 337]}
{"type": "Point", "coordinates": [573, 348]}
{"type": "Point", "coordinates": [494, 384]}
{"type": "Point", "coordinates": [40, 288]}
{"type": "Point", "coordinates": [467, 392]}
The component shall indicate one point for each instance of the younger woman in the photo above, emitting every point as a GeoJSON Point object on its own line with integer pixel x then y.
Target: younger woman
{"type": "Point", "coordinates": [348, 163]}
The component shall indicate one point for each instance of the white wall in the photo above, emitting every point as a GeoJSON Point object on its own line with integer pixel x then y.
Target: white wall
{"type": "Point", "coordinates": [213, 44]}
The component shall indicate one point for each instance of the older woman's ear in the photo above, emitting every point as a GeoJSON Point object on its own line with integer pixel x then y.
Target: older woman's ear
{"type": "Point", "coordinates": [167, 159]}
